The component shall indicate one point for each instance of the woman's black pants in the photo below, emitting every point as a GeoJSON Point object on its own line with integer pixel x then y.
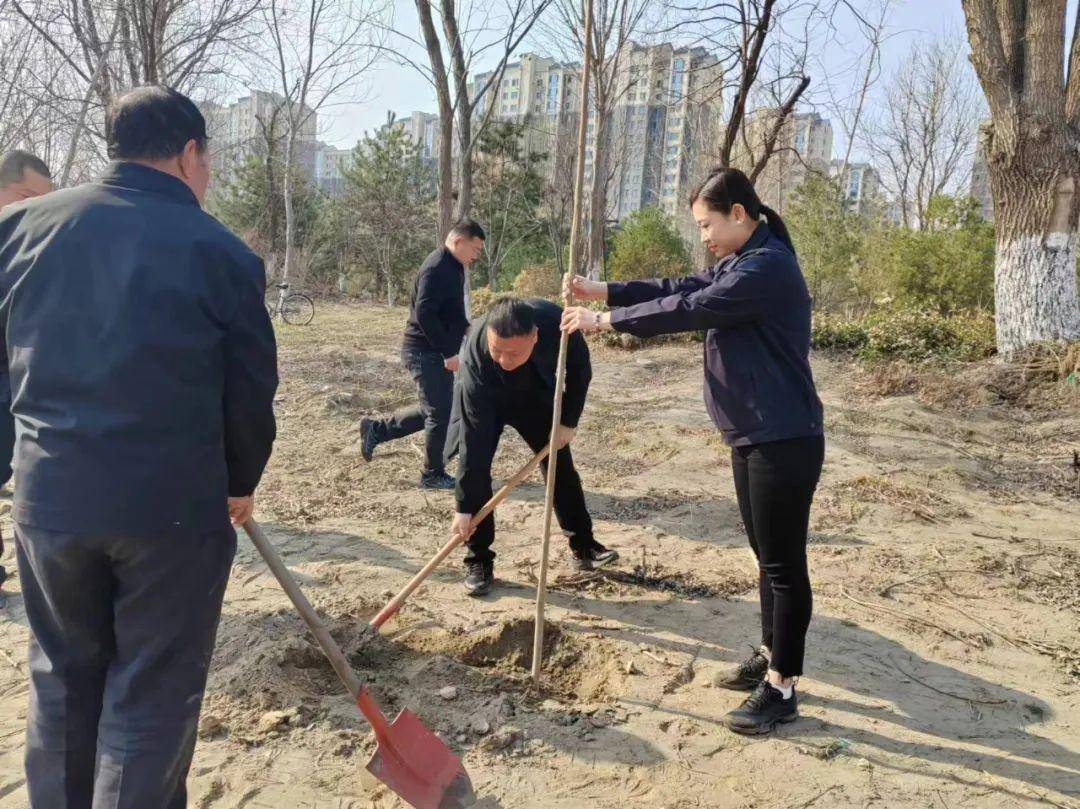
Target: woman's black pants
{"type": "Point", "coordinates": [775, 483]}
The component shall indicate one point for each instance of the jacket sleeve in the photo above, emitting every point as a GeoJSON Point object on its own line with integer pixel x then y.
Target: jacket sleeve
{"type": "Point", "coordinates": [250, 383]}
{"type": "Point", "coordinates": [431, 291]}
{"type": "Point", "coordinates": [578, 377]}
{"type": "Point", "coordinates": [477, 437]}
{"type": "Point", "coordinates": [737, 296]}
{"type": "Point", "coordinates": [629, 293]}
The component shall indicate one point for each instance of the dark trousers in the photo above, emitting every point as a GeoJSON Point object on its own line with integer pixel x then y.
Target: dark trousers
{"type": "Point", "coordinates": [774, 484]}
{"type": "Point", "coordinates": [7, 451]}
{"type": "Point", "coordinates": [534, 425]}
{"type": "Point", "coordinates": [122, 631]}
{"type": "Point", "coordinates": [435, 389]}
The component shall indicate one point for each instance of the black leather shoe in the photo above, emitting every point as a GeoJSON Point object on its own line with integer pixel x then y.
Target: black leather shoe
{"type": "Point", "coordinates": [762, 711]}
{"type": "Point", "coordinates": [436, 480]}
{"type": "Point", "coordinates": [747, 675]}
{"type": "Point", "coordinates": [595, 556]}
{"type": "Point", "coordinates": [368, 439]}
{"type": "Point", "coordinates": [479, 577]}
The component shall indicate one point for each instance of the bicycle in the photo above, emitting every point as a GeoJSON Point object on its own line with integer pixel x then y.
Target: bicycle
{"type": "Point", "coordinates": [296, 309]}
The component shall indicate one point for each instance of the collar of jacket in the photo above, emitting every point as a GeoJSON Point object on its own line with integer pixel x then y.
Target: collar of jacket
{"type": "Point", "coordinates": [449, 254]}
{"type": "Point", "coordinates": [126, 174]}
{"type": "Point", "coordinates": [757, 239]}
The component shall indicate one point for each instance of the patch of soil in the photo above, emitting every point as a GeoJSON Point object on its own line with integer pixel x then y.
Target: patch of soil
{"type": "Point", "coordinates": [574, 667]}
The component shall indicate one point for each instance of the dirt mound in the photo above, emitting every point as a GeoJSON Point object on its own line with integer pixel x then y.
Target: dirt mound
{"type": "Point", "coordinates": [574, 666]}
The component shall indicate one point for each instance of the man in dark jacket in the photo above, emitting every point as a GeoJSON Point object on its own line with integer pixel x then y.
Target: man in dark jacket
{"type": "Point", "coordinates": [143, 368]}
{"type": "Point", "coordinates": [508, 378]}
{"type": "Point", "coordinates": [436, 326]}
{"type": "Point", "coordinates": [22, 176]}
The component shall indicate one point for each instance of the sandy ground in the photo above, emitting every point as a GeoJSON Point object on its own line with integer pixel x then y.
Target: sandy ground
{"type": "Point", "coordinates": [943, 667]}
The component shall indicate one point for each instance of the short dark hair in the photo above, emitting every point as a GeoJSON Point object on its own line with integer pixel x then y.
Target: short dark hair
{"type": "Point", "coordinates": [15, 164]}
{"type": "Point", "coordinates": [153, 123]}
{"type": "Point", "coordinates": [511, 317]}
{"type": "Point", "coordinates": [468, 229]}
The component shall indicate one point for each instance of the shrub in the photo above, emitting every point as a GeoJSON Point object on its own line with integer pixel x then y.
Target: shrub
{"type": "Point", "coordinates": [480, 300]}
{"type": "Point", "coordinates": [913, 335]}
{"type": "Point", "coordinates": [538, 281]}
{"type": "Point", "coordinates": [648, 246]}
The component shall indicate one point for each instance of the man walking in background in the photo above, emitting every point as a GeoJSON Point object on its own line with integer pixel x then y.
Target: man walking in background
{"type": "Point", "coordinates": [143, 367]}
{"type": "Point", "coordinates": [22, 176]}
{"type": "Point", "coordinates": [437, 325]}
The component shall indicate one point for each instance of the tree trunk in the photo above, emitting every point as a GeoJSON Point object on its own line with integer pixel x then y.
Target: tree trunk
{"type": "Point", "coordinates": [446, 118]}
{"type": "Point", "coordinates": [290, 217]}
{"type": "Point", "coordinates": [1035, 287]}
{"type": "Point", "coordinates": [464, 109]}
{"type": "Point", "coordinates": [598, 198]}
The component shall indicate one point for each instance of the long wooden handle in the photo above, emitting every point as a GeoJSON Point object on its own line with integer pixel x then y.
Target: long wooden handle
{"type": "Point", "coordinates": [395, 603]}
{"type": "Point", "coordinates": [332, 651]}
{"type": "Point", "coordinates": [560, 371]}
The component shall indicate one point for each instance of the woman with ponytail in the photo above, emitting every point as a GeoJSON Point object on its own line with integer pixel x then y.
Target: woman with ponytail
{"type": "Point", "coordinates": [760, 394]}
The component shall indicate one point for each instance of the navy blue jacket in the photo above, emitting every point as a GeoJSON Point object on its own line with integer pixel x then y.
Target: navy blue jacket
{"type": "Point", "coordinates": [437, 320]}
{"type": "Point", "coordinates": [756, 308]}
{"type": "Point", "coordinates": [142, 359]}
{"type": "Point", "coordinates": [486, 397]}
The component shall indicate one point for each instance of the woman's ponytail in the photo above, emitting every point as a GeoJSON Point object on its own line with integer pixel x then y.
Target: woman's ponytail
{"type": "Point", "coordinates": [725, 187]}
{"type": "Point", "coordinates": [777, 226]}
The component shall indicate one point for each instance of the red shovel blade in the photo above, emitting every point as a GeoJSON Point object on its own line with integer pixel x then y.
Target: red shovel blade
{"type": "Point", "coordinates": [419, 767]}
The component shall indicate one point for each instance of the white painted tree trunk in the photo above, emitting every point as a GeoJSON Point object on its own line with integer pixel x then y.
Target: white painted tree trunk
{"type": "Point", "coordinates": [1035, 290]}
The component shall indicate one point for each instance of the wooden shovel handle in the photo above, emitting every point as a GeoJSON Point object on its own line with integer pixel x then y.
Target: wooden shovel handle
{"type": "Point", "coordinates": [329, 648]}
{"type": "Point", "coordinates": [396, 602]}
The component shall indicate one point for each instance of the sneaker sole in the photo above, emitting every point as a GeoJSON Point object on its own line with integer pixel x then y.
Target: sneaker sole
{"type": "Point", "coordinates": [760, 730]}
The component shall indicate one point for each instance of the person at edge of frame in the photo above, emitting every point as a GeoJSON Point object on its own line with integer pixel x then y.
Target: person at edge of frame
{"type": "Point", "coordinates": [22, 176]}
{"type": "Point", "coordinates": [143, 369]}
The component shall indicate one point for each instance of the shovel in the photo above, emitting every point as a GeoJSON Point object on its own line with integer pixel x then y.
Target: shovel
{"type": "Point", "coordinates": [410, 759]}
{"type": "Point", "coordinates": [396, 602]}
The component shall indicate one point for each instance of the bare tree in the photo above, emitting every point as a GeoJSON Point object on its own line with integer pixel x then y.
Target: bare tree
{"type": "Point", "coordinates": [764, 49]}
{"type": "Point", "coordinates": [181, 43]}
{"type": "Point", "coordinates": [616, 26]}
{"type": "Point", "coordinates": [455, 40]}
{"type": "Point", "coordinates": [92, 49]}
{"type": "Point", "coordinates": [1019, 53]}
{"type": "Point", "coordinates": [925, 137]}
{"type": "Point", "coordinates": [321, 48]}
{"type": "Point", "coordinates": [848, 105]}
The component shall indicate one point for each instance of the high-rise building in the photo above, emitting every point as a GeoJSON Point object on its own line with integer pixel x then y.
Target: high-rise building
{"type": "Point", "coordinates": [659, 127]}
{"type": "Point", "coordinates": [253, 124]}
{"type": "Point", "coordinates": [423, 129]}
{"type": "Point", "coordinates": [980, 185]}
{"type": "Point", "coordinates": [329, 164]}
{"type": "Point", "coordinates": [860, 184]}
{"type": "Point", "coordinates": [803, 145]}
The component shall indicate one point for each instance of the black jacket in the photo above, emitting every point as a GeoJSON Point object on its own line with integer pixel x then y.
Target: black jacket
{"type": "Point", "coordinates": [755, 305]}
{"type": "Point", "coordinates": [486, 397]}
{"type": "Point", "coordinates": [143, 364]}
{"type": "Point", "coordinates": [437, 319]}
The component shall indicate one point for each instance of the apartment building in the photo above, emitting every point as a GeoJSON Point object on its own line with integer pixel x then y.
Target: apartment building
{"type": "Point", "coordinates": [248, 126]}
{"type": "Point", "coordinates": [803, 145]}
{"type": "Point", "coordinates": [860, 184]}
{"type": "Point", "coordinates": [666, 105]}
